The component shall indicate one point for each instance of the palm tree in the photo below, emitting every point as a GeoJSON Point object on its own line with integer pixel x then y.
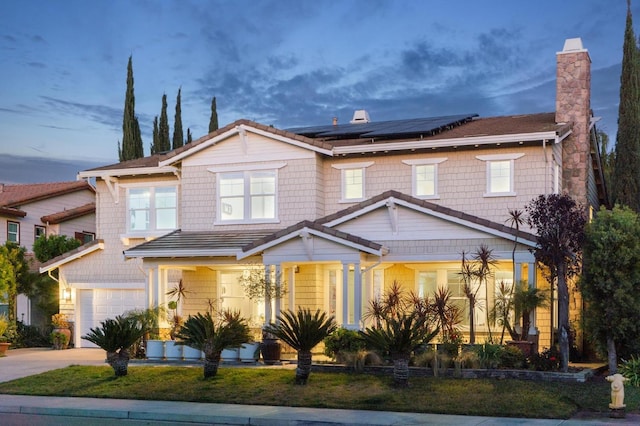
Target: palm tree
{"type": "Point", "coordinates": [116, 336]}
{"type": "Point", "coordinates": [211, 337]}
{"type": "Point", "coordinates": [302, 331]}
{"type": "Point", "coordinates": [525, 300]}
{"type": "Point", "coordinates": [402, 324]}
{"type": "Point", "coordinates": [400, 336]}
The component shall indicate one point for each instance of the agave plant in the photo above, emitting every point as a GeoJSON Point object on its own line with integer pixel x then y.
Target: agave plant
{"type": "Point", "coordinates": [116, 336]}
{"type": "Point", "coordinates": [212, 336]}
{"type": "Point", "coordinates": [302, 331]}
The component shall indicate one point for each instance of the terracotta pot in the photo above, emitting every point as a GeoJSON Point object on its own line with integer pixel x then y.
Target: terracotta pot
{"type": "Point", "coordinates": [4, 346]}
{"type": "Point", "coordinates": [524, 345]}
{"type": "Point", "coordinates": [66, 332]}
{"type": "Point", "coordinates": [271, 351]}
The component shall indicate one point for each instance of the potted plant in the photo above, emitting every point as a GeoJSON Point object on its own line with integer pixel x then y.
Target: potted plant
{"type": "Point", "coordinates": [258, 286]}
{"type": "Point", "coordinates": [60, 328]}
{"type": "Point", "coordinates": [525, 300]}
{"type": "Point", "coordinates": [172, 350]}
{"type": "Point", "coordinates": [4, 329]}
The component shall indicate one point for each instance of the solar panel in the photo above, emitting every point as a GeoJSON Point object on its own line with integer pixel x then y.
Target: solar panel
{"type": "Point", "coordinates": [408, 127]}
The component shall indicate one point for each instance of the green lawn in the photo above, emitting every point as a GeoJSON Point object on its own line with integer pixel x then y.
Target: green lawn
{"type": "Point", "coordinates": [483, 397]}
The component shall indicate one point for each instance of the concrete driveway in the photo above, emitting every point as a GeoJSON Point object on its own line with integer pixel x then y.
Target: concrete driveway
{"type": "Point", "coordinates": [29, 361]}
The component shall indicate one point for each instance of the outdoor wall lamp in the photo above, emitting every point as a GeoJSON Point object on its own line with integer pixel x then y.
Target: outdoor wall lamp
{"type": "Point", "coordinates": [66, 294]}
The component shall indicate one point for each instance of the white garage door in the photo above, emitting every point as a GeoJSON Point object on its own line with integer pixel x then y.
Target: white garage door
{"type": "Point", "coordinates": [100, 304]}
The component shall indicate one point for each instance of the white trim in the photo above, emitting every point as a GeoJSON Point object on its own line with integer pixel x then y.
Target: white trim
{"type": "Point", "coordinates": [171, 253]}
{"type": "Point", "coordinates": [55, 265]}
{"type": "Point", "coordinates": [345, 166]}
{"type": "Point", "coordinates": [245, 167]}
{"type": "Point", "coordinates": [109, 285]}
{"type": "Point", "coordinates": [425, 161]}
{"type": "Point", "coordinates": [453, 142]}
{"type": "Point", "coordinates": [499, 157]}
{"type": "Point", "coordinates": [134, 171]}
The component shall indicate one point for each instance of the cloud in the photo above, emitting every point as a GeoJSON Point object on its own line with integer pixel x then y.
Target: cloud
{"type": "Point", "coordinates": [109, 116]}
{"type": "Point", "coordinates": [21, 169]}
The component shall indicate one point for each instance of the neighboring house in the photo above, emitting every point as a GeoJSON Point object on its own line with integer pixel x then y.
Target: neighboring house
{"type": "Point", "coordinates": [338, 211]}
{"type": "Point", "coordinates": [28, 211]}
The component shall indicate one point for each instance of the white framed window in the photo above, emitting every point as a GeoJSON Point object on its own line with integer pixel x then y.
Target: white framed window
{"type": "Point", "coordinates": [424, 177]}
{"type": "Point", "coordinates": [152, 208]}
{"type": "Point", "coordinates": [39, 231]}
{"type": "Point", "coordinates": [13, 232]}
{"type": "Point", "coordinates": [247, 196]}
{"type": "Point", "coordinates": [500, 174]}
{"type": "Point", "coordinates": [352, 177]}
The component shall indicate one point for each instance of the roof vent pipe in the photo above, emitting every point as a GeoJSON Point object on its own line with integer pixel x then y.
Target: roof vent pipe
{"type": "Point", "coordinates": [360, 116]}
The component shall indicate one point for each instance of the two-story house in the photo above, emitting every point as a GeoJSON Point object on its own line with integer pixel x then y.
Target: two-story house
{"type": "Point", "coordinates": [338, 211]}
{"type": "Point", "coordinates": [28, 211]}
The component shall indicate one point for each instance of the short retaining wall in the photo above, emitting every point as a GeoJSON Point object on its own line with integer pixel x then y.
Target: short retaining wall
{"type": "Point", "coordinates": [469, 373]}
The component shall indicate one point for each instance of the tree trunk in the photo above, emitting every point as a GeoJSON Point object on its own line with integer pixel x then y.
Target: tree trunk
{"type": "Point", "coordinates": [472, 329]}
{"type": "Point", "coordinates": [119, 362]}
{"type": "Point", "coordinates": [401, 372]}
{"type": "Point", "coordinates": [563, 317]}
{"type": "Point", "coordinates": [304, 367]}
{"type": "Point", "coordinates": [526, 323]}
{"type": "Point", "coordinates": [211, 366]}
{"type": "Point", "coordinates": [612, 355]}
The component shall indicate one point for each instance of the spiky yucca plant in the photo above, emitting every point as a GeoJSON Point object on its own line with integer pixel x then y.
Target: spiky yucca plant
{"type": "Point", "coordinates": [303, 331]}
{"type": "Point", "coordinates": [116, 336]}
{"type": "Point", "coordinates": [212, 336]}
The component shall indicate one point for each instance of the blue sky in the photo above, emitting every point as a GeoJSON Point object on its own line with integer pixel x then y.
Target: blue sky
{"type": "Point", "coordinates": [285, 63]}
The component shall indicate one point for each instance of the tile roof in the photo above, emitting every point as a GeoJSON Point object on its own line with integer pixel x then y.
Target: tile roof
{"type": "Point", "coordinates": [14, 196]}
{"type": "Point", "coordinates": [66, 215]}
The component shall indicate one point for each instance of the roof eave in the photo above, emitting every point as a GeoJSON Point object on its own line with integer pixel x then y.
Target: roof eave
{"type": "Point", "coordinates": [55, 265]}
{"type": "Point", "coordinates": [164, 254]}
{"type": "Point", "coordinates": [451, 142]}
{"type": "Point", "coordinates": [134, 171]}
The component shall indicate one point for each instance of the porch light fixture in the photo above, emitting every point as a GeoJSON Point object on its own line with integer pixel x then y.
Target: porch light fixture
{"type": "Point", "coordinates": [66, 294]}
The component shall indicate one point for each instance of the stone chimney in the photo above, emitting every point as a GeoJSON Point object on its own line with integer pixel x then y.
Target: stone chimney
{"type": "Point", "coordinates": [573, 105]}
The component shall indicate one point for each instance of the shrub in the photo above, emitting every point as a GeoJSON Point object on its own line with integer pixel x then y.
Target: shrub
{"type": "Point", "coordinates": [547, 360]}
{"type": "Point", "coordinates": [512, 357]}
{"type": "Point", "coordinates": [488, 355]}
{"type": "Point", "coordinates": [29, 336]}
{"type": "Point", "coordinates": [343, 341]}
{"type": "Point", "coordinates": [631, 370]}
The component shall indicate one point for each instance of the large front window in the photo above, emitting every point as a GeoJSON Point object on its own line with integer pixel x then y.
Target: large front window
{"type": "Point", "coordinates": [247, 196]}
{"type": "Point", "coordinates": [152, 208]}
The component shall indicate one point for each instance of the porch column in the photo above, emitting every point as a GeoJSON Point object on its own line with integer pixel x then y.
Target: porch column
{"type": "Point", "coordinates": [357, 294]}
{"type": "Point", "coordinates": [278, 301]}
{"type": "Point", "coordinates": [532, 283]}
{"type": "Point", "coordinates": [267, 299]}
{"type": "Point", "coordinates": [345, 295]}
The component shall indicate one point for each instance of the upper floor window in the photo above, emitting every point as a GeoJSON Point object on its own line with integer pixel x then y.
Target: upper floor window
{"type": "Point", "coordinates": [13, 232]}
{"type": "Point", "coordinates": [85, 237]}
{"type": "Point", "coordinates": [424, 176]}
{"type": "Point", "coordinates": [352, 180]}
{"type": "Point", "coordinates": [500, 174]}
{"type": "Point", "coordinates": [152, 208]}
{"type": "Point", "coordinates": [39, 231]}
{"type": "Point", "coordinates": [247, 196]}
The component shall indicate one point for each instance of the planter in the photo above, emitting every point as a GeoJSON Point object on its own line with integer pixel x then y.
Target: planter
{"type": "Point", "coordinates": [60, 342]}
{"type": "Point", "coordinates": [271, 350]}
{"type": "Point", "coordinates": [230, 355]}
{"type": "Point", "coordinates": [4, 346]}
{"type": "Point", "coordinates": [191, 354]}
{"type": "Point", "coordinates": [249, 352]}
{"type": "Point", "coordinates": [524, 345]}
{"type": "Point", "coordinates": [172, 351]}
{"type": "Point", "coordinates": [155, 350]}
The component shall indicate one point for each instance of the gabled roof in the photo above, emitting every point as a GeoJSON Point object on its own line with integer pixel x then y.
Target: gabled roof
{"type": "Point", "coordinates": [317, 229]}
{"type": "Point", "coordinates": [72, 255]}
{"type": "Point", "coordinates": [461, 130]}
{"type": "Point", "coordinates": [433, 209]}
{"type": "Point", "coordinates": [14, 196]}
{"type": "Point", "coordinates": [66, 215]}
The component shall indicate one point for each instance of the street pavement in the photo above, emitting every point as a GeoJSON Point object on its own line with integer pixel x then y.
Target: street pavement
{"type": "Point", "coordinates": [38, 410]}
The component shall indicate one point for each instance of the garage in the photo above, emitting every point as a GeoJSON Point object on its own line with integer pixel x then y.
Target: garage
{"type": "Point", "coordinates": [99, 304]}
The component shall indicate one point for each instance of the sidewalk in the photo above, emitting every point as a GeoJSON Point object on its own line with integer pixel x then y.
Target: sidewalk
{"type": "Point", "coordinates": [25, 362]}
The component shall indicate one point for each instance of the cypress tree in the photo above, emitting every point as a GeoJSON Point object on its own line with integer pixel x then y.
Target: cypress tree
{"type": "Point", "coordinates": [189, 138]}
{"type": "Point", "coordinates": [626, 172]}
{"type": "Point", "coordinates": [154, 144]}
{"type": "Point", "coordinates": [131, 138]}
{"type": "Point", "coordinates": [164, 143]}
{"type": "Point", "coordinates": [213, 121]}
{"type": "Point", "coordinates": [178, 135]}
